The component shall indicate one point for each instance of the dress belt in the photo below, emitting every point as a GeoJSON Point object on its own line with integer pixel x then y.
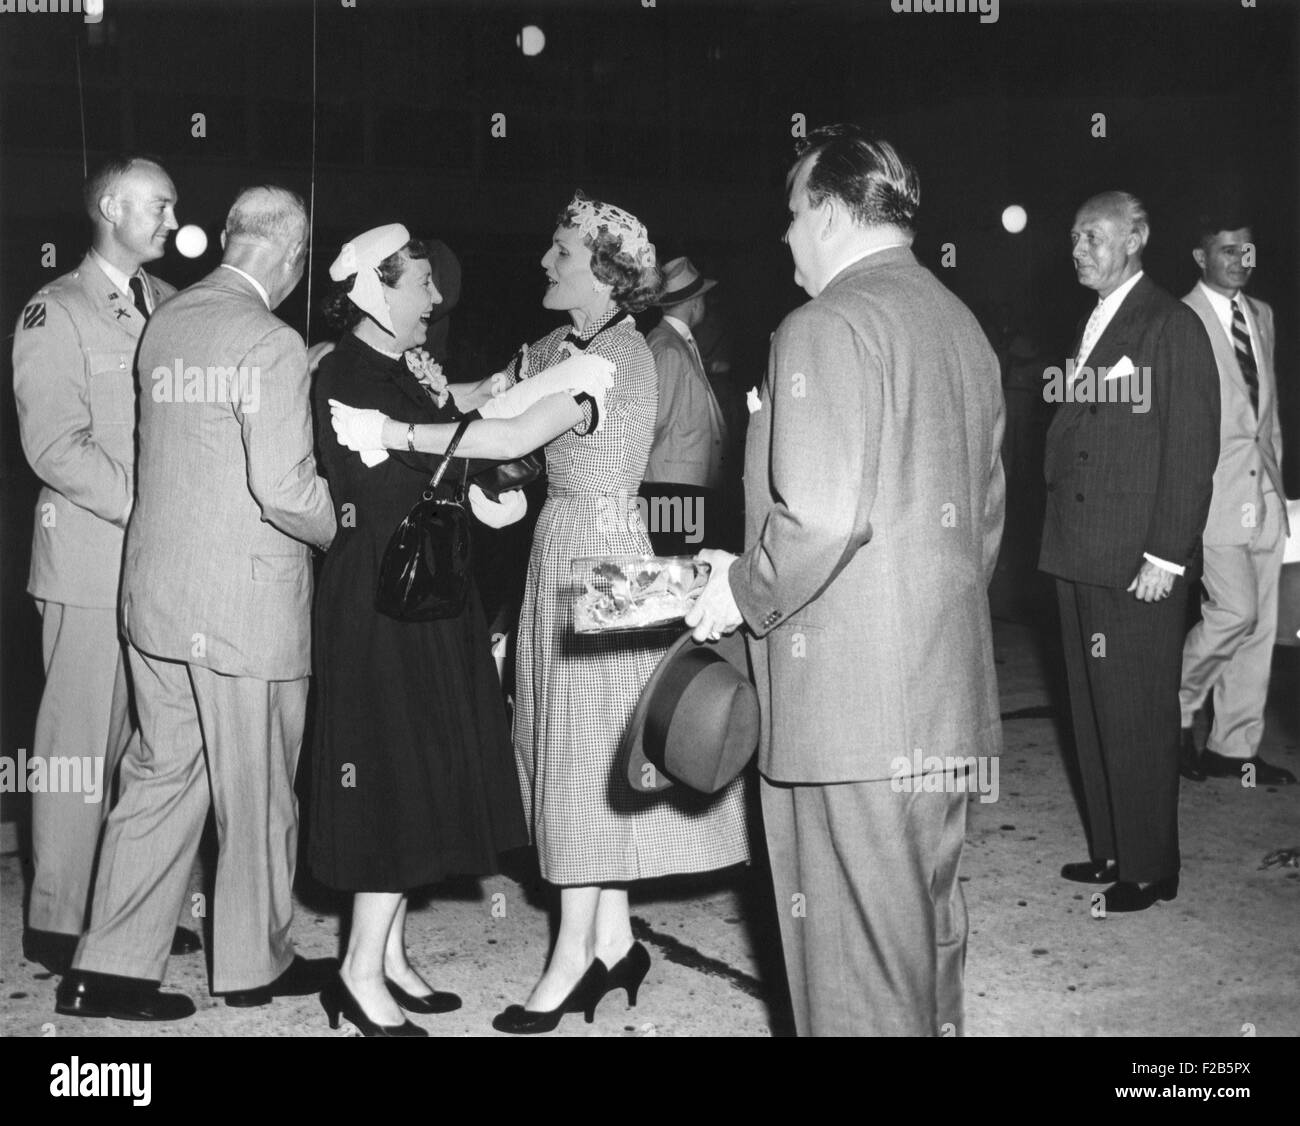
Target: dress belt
{"type": "Point", "coordinates": [579, 494]}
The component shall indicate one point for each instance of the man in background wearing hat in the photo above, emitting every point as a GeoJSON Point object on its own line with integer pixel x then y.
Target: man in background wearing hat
{"type": "Point", "coordinates": [74, 384]}
{"type": "Point", "coordinates": [216, 592]}
{"type": "Point", "coordinates": [685, 467]}
{"type": "Point", "coordinates": [874, 507]}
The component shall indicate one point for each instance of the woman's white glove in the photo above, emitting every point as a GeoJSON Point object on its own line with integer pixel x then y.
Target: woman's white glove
{"type": "Point", "coordinates": [497, 514]}
{"type": "Point", "coordinates": [501, 382]}
{"type": "Point", "coordinates": [580, 375]}
{"type": "Point", "coordinates": [357, 429]}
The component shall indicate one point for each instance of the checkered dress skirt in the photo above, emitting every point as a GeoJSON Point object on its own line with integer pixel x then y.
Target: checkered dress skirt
{"type": "Point", "coordinates": [575, 694]}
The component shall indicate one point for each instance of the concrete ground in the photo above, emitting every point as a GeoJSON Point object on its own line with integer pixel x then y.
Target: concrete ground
{"type": "Point", "coordinates": [1221, 960]}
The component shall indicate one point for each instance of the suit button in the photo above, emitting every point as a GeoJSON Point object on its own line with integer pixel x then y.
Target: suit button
{"type": "Point", "coordinates": [1092, 410]}
{"type": "Point", "coordinates": [1252, 473]}
{"type": "Point", "coordinates": [1083, 455]}
{"type": "Point", "coordinates": [1078, 496]}
{"type": "Point", "coordinates": [1051, 488]}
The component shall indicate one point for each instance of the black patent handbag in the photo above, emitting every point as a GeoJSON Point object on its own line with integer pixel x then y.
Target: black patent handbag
{"type": "Point", "coordinates": [425, 571]}
{"type": "Point", "coordinates": [508, 475]}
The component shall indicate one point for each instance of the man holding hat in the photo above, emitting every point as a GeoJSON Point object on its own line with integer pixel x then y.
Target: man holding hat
{"type": "Point", "coordinates": [874, 506]}
{"type": "Point", "coordinates": [685, 467]}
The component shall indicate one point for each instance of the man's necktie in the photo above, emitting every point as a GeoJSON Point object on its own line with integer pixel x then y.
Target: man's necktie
{"type": "Point", "coordinates": [1091, 333]}
{"type": "Point", "coordinates": [1245, 353]}
{"type": "Point", "coordinates": [695, 351]}
{"type": "Point", "coordinates": [137, 295]}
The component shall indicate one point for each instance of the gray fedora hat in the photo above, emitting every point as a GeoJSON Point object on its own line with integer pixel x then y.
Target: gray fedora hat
{"type": "Point", "coordinates": [697, 721]}
{"type": "Point", "coordinates": [682, 281]}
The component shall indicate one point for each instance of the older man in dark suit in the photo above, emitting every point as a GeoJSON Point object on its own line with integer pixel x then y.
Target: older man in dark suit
{"type": "Point", "coordinates": [874, 507]}
{"type": "Point", "coordinates": [1130, 460]}
{"type": "Point", "coordinates": [216, 591]}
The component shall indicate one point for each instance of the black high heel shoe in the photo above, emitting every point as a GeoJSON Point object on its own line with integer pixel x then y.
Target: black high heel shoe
{"type": "Point", "coordinates": [433, 1002]}
{"type": "Point", "coordinates": [629, 972]}
{"type": "Point", "coordinates": [337, 1000]}
{"type": "Point", "coordinates": [583, 998]}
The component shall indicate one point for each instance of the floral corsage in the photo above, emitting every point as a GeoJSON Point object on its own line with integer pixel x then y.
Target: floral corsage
{"type": "Point", "coordinates": [428, 372]}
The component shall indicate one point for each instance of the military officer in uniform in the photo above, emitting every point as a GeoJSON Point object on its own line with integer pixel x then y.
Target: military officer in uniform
{"type": "Point", "coordinates": [74, 382]}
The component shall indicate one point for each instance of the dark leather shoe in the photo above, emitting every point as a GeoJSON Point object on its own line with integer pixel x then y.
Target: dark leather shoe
{"type": "Point", "coordinates": [304, 975]}
{"type": "Point", "coordinates": [583, 998]}
{"type": "Point", "coordinates": [185, 941]}
{"type": "Point", "coordinates": [1189, 758]}
{"type": "Point", "coordinates": [427, 1004]}
{"type": "Point", "coordinates": [338, 1001]}
{"type": "Point", "coordinates": [1220, 766]}
{"type": "Point", "coordinates": [1126, 896]}
{"type": "Point", "coordinates": [85, 994]}
{"type": "Point", "coordinates": [1091, 872]}
{"type": "Point", "coordinates": [51, 949]}
{"type": "Point", "coordinates": [629, 972]}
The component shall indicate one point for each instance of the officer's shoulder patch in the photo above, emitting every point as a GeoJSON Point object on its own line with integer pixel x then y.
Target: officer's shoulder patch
{"type": "Point", "coordinates": [34, 315]}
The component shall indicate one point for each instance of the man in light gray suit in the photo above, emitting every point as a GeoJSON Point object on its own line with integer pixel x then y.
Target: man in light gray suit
{"type": "Point", "coordinates": [216, 591]}
{"type": "Point", "coordinates": [874, 506]}
{"type": "Point", "coordinates": [1229, 651]}
{"type": "Point", "coordinates": [685, 466]}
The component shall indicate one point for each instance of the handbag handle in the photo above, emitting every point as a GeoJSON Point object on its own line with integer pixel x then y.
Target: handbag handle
{"type": "Point", "coordinates": [446, 458]}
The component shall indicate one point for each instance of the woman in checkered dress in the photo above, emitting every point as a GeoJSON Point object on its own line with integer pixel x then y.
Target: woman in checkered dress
{"type": "Point", "coordinates": [575, 694]}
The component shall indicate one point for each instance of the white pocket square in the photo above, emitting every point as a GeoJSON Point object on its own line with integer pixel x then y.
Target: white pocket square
{"type": "Point", "coordinates": [373, 457]}
{"type": "Point", "coordinates": [1120, 370]}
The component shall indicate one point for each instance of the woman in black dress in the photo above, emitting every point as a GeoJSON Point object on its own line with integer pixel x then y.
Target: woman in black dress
{"type": "Point", "coordinates": [413, 776]}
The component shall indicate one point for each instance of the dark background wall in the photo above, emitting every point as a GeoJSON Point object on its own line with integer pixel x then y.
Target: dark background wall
{"type": "Point", "coordinates": [681, 113]}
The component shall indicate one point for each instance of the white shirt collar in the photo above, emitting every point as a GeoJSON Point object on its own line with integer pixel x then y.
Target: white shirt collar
{"type": "Point", "coordinates": [1222, 306]}
{"type": "Point", "coordinates": [257, 285]}
{"type": "Point", "coordinates": [865, 254]}
{"type": "Point", "coordinates": [1110, 305]}
{"type": "Point", "coordinates": [119, 279]}
{"type": "Point", "coordinates": [678, 326]}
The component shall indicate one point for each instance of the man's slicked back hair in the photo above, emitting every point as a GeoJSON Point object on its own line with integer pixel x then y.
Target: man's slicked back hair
{"type": "Point", "coordinates": [866, 174]}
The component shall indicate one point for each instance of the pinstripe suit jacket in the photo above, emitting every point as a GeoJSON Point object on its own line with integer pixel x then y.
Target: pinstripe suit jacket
{"type": "Point", "coordinates": [217, 570]}
{"type": "Point", "coordinates": [1123, 482]}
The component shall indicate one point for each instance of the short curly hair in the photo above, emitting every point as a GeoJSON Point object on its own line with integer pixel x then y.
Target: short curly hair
{"type": "Point", "coordinates": [338, 309]}
{"type": "Point", "coordinates": [634, 287]}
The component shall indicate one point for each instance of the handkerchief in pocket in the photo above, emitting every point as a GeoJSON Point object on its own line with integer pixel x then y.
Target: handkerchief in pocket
{"type": "Point", "coordinates": [1120, 370]}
